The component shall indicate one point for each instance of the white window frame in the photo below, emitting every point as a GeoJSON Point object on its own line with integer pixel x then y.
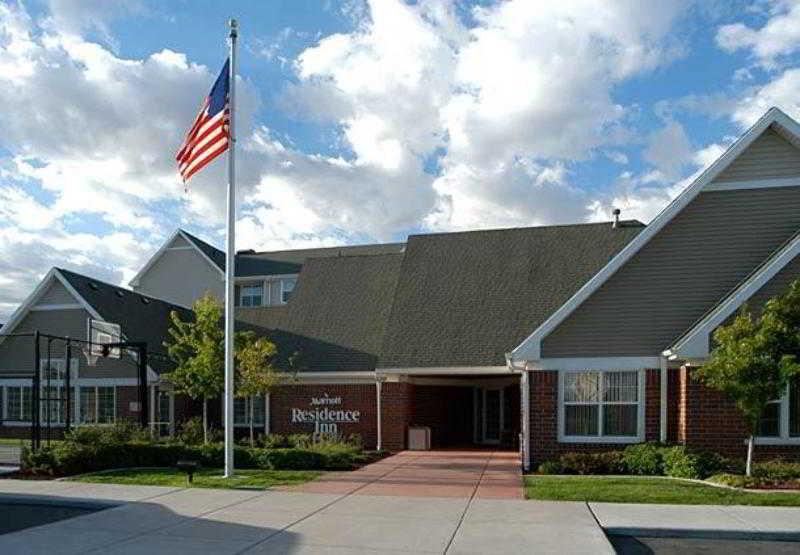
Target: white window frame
{"type": "Point", "coordinates": [246, 424]}
{"type": "Point", "coordinates": [783, 438]}
{"type": "Point", "coordinates": [16, 421]}
{"type": "Point", "coordinates": [242, 296]}
{"type": "Point", "coordinates": [284, 280]}
{"type": "Point", "coordinates": [80, 421]}
{"type": "Point", "coordinates": [600, 438]}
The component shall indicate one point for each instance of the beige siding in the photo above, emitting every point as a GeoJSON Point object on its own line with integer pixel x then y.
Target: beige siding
{"type": "Point", "coordinates": [57, 294]}
{"type": "Point", "coordinates": [179, 241]}
{"type": "Point", "coordinates": [17, 353]}
{"type": "Point", "coordinates": [770, 156]}
{"type": "Point", "coordinates": [702, 254]}
{"type": "Point", "coordinates": [181, 277]}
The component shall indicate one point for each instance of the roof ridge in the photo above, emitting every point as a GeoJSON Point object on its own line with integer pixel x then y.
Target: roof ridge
{"type": "Point", "coordinates": [623, 223]}
{"type": "Point", "coordinates": [120, 288]}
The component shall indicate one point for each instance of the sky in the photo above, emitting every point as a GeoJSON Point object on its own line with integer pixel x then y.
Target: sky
{"type": "Point", "coordinates": [365, 121]}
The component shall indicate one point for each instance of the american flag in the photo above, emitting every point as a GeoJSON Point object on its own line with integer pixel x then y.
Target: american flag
{"type": "Point", "coordinates": [208, 137]}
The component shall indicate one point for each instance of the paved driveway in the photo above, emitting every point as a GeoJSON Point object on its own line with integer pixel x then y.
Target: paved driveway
{"type": "Point", "coordinates": [445, 473]}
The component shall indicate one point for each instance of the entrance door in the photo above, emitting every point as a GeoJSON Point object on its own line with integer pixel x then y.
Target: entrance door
{"type": "Point", "coordinates": [491, 414]}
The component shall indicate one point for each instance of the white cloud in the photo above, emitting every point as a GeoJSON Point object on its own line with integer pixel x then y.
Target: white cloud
{"type": "Point", "coordinates": [783, 91]}
{"type": "Point", "coordinates": [669, 150]}
{"type": "Point", "coordinates": [779, 37]}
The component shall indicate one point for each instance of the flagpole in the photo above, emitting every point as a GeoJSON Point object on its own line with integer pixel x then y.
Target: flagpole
{"type": "Point", "coordinates": [230, 255]}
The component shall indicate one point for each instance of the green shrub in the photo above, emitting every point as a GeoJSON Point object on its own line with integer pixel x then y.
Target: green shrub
{"type": "Point", "coordinates": [42, 461]}
{"type": "Point", "coordinates": [290, 459]}
{"type": "Point", "coordinates": [682, 462]}
{"type": "Point", "coordinates": [609, 462]}
{"type": "Point", "coordinates": [299, 441]}
{"type": "Point", "coordinates": [274, 441]}
{"type": "Point", "coordinates": [192, 431]}
{"type": "Point", "coordinates": [644, 459]}
{"type": "Point", "coordinates": [777, 470]}
{"type": "Point", "coordinates": [550, 467]}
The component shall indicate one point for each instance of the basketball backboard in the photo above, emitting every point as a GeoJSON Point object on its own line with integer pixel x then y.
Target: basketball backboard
{"type": "Point", "coordinates": [100, 333]}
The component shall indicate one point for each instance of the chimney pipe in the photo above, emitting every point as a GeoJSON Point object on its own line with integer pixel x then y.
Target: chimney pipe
{"type": "Point", "coordinates": [616, 213]}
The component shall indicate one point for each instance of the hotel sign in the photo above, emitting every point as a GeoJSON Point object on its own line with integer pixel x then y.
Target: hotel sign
{"type": "Point", "coordinates": [326, 414]}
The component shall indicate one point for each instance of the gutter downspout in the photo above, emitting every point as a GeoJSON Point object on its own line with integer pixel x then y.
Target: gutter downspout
{"type": "Point", "coordinates": [378, 386]}
{"type": "Point", "coordinates": [524, 409]}
{"type": "Point", "coordinates": [663, 400]}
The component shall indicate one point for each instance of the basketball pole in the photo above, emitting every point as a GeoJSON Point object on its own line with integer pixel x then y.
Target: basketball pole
{"type": "Point", "coordinates": [230, 254]}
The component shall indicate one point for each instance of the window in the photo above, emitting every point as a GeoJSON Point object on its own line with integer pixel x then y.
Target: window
{"type": "Point", "coordinates": [781, 420]}
{"type": "Point", "coordinates": [98, 405]}
{"type": "Point", "coordinates": [241, 411]}
{"type": "Point", "coordinates": [18, 404]}
{"type": "Point", "coordinates": [287, 288]}
{"type": "Point", "coordinates": [251, 295]}
{"type": "Point", "coordinates": [600, 406]}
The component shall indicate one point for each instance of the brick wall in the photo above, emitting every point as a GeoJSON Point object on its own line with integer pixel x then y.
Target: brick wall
{"type": "Point", "coordinates": [544, 417]}
{"type": "Point", "coordinates": [709, 420]}
{"type": "Point", "coordinates": [396, 402]}
{"type": "Point", "coordinates": [355, 397]}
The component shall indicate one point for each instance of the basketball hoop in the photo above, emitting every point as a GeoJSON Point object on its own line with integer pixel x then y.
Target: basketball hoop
{"type": "Point", "coordinates": [91, 358]}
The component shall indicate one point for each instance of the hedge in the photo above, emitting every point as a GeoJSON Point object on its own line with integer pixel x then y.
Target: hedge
{"type": "Point", "coordinates": [90, 451]}
{"type": "Point", "coordinates": [644, 459]}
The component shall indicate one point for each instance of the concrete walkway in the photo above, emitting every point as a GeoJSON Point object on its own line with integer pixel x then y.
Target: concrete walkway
{"type": "Point", "coordinates": [700, 521]}
{"type": "Point", "coordinates": [444, 473]}
{"type": "Point", "coordinates": [152, 520]}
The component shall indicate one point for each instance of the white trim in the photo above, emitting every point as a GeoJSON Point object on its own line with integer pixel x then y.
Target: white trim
{"type": "Point", "coordinates": [502, 381]}
{"type": "Point", "coordinates": [265, 277]}
{"type": "Point", "coordinates": [776, 441]}
{"type": "Point", "coordinates": [594, 363]}
{"type": "Point", "coordinates": [153, 259]}
{"type": "Point", "coordinates": [641, 423]}
{"type": "Point", "coordinates": [753, 184]}
{"type": "Point", "coordinates": [530, 348]}
{"type": "Point", "coordinates": [447, 370]}
{"type": "Point", "coordinates": [379, 416]}
{"type": "Point", "coordinates": [695, 343]}
{"type": "Point", "coordinates": [65, 306]}
{"type": "Point", "coordinates": [784, 438]}
{"type": "Point", "coordinates": [525, 380]}
{"type": "Point", "coordinates": [331, 378]}
{"type": "Point", "coordinates": [664, 384]}
{"type": "Point", "coordinates": [281, 302]}
{"type": "Point", "coordinates": [186, 248]}
{"type": "Point", "coordinates": [37, 293]}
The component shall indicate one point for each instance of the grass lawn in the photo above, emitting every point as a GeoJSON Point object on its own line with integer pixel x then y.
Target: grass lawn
{"type": "Point", "coordinates": [204, 478]}
{"type": "Point", "coordinates": [636, 489]}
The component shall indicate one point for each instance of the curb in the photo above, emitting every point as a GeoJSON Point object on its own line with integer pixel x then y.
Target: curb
{"type": "Point", "coordinates": [710, 534]}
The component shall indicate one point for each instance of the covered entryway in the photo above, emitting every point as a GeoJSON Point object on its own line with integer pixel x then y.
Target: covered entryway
{"type": "Point", "coordinates": [467, 411]}
{"type": "Point", "coordinates": [479, 473]}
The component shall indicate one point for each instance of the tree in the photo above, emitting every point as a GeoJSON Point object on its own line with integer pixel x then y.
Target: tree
{"type": "Point", "coordinates": [754, 359]}
{"type": "Point", "coordinates": [256, 374]}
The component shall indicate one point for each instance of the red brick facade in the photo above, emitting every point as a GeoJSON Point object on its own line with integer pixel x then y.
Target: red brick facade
{"type": "Point", "coordinates": [544, 417]}
{"type": "Point", "coordinates": [708, 420]}
{"type": "Point", "coordinates": [696, 416]}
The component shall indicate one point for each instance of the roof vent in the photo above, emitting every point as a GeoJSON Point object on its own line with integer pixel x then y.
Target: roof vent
{"type": "Point", "coordinates": [246, 251]}
{"type": "Point", "coordinates": [119, 294]}
{"type": "Point", "coordinates": [93, 286]}
{"type": "Point", "coordinates": [145, 300]}
{"type": "Point", "coordinates": [616, 213]}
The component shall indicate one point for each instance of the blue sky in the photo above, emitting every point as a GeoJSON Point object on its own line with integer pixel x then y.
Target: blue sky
{"type": "Point", "coordinates": [365, 121]}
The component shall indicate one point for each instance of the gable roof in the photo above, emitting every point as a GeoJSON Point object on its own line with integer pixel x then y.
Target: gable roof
{"type": "Point", "coordinates": [530, 348]}
{"type": "Point", "coordinates": [464, 299]}
{"type": "Point", "coordinates": [210, 251]}
{"type": "Point", "coordinates": [142, 318]}
{"type": "Point", "coordinates": [337, 314]}
{"type": "Point", "coordinates": [695, 342]}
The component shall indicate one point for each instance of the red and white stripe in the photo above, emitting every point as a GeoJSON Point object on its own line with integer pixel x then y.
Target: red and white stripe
{"type": "Point", "coordinates": [207, 139]}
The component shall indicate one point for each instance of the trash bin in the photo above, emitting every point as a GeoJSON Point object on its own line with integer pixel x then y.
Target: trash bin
{"type": "Point", "coordinates": [419, 438]}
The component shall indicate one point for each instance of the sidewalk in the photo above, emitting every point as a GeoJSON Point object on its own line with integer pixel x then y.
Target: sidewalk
{"type": "Point", "coordinates": [733, 522]}
{"type": "Point", "coordinates": [151, 520]}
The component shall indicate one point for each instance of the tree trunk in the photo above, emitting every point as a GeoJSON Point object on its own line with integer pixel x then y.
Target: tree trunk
{"type": "Point", "coordinates": [252, 440]}
{"type": "Point", "coordinates": [205, 420]}
{"type": "Point", "coordinates": [749, 466]}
